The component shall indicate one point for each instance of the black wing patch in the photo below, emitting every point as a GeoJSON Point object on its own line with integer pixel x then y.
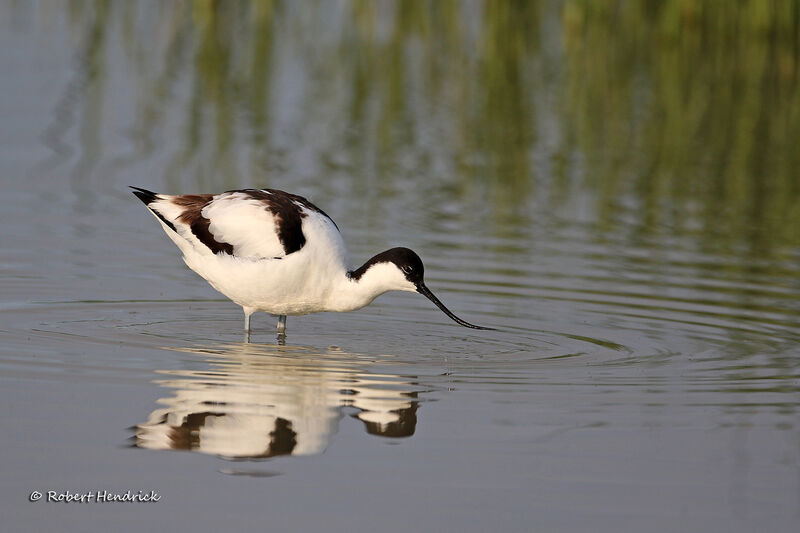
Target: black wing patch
{"type": "Point", "coordinates": [148, 197]}
{"type": "Point", "coordinates": [288, 213]}
{"type": "Point", "coordinates": [192, 216]}
{"type": "Point", "coordinates": [192, 205]}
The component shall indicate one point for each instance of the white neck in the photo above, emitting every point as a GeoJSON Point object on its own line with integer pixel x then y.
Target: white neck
{"type": "Point", "coordinates": [350, 294]}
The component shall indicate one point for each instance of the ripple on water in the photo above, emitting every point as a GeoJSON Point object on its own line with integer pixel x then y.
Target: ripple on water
{"type": "Point", "coordinates": [572, 302]}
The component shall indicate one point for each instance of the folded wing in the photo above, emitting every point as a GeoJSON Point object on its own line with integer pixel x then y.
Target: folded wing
{"type": "Point", "coordinates": [253, 224]}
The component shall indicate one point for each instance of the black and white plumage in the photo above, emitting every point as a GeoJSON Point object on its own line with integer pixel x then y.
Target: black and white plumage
{"type": "Point", "coordinates": [272, 251]}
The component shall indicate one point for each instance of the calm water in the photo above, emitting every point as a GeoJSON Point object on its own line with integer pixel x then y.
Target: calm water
{"type": "Point", "coordinates": [615, 190]}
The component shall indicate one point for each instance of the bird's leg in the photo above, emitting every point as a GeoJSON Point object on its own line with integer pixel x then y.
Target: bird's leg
{"type": "Point", "coordinates": [247, 313]}
{"type": "Point", "coordinates": [281, 330]}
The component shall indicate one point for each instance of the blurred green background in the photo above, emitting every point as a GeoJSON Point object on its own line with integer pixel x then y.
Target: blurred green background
{"type": "Point", "coordinates": [672, 117]}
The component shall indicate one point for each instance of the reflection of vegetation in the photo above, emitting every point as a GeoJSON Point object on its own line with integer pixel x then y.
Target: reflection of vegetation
{"type": "Point", "coordinates": [693, 108]}
{"type": "Point", "coordinates": [681, 115]}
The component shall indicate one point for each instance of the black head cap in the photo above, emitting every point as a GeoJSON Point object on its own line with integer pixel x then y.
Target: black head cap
{"type": "Point", "coordinates": [404, 259]}
{"type": "Point", "coordinates": [409, 264]}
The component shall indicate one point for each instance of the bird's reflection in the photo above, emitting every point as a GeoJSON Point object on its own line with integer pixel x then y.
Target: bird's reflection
{"type": "Point", "coordinates": [257, 401]}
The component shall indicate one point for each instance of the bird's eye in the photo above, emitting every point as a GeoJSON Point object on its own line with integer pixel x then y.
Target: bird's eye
{"type": "Point", "coordinates": [407, 269]}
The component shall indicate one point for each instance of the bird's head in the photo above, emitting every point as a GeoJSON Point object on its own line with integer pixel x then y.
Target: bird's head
{"type": "Point", "coordinates": [401, 269]}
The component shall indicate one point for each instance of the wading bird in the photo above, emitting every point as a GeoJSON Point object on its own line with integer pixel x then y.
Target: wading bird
{"type": "Point", "coordinates": [272, 251]}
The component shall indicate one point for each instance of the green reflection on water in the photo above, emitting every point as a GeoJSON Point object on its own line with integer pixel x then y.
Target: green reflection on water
{"type": "Point", "coordinates": [676, 117]}
{"type": "Point", "coordinates": [692, 108]}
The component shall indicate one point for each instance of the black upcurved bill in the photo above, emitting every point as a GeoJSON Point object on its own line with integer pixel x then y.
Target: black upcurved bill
{"type": "Point", "coordinates": [425, 291]}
